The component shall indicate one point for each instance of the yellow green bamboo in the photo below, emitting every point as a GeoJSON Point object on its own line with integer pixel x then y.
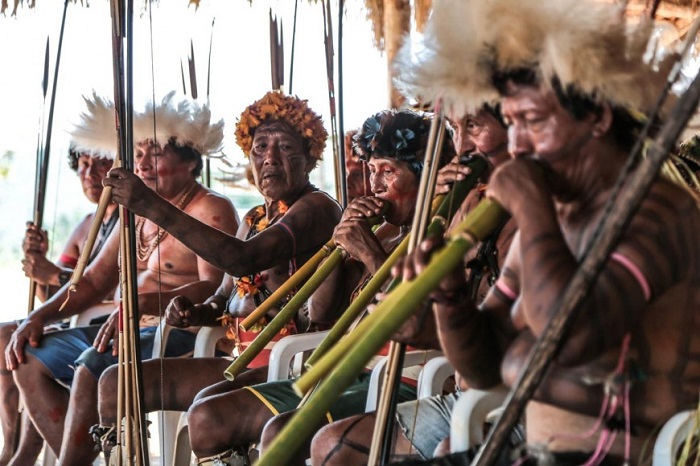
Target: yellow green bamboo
{"type": "Point", "coordinates": [402, 302]}
{"type": "Point", "coordinates": [280, 293]}
{"type": "Point", "coordinates": [285, 315]}
{"type": "Point", "coordinates": [376, 330]}
{"type": "Point", "coordinates": [442, 209]}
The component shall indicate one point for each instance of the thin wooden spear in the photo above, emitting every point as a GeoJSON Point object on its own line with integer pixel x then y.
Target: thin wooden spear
{"type": "Point", "coordinates": [338, 165]}
{"type": "Point", "coordinates": [43, 156]}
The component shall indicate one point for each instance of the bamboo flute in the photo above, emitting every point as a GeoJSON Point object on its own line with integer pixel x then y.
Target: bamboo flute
{"type": "Point", "coordinates": [448, 205]}
{"type": "Point", "coordinates": [284, 316]}
{"type": "Point", "coordinates": [376, 329]}
{"type": "Point", "coordinates": [328, 250]}
{"type": "Point", "coordinates": [477, 224]}
{"type": "Point", "coordinates": [335, 258]}
{"type": "Point", "coordinates": [295, 280]}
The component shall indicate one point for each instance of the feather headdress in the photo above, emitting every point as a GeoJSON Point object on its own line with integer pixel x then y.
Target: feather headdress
{"type": "Point", "coordinates": [586, 45]}
{"type": "Point", "coordinates": [185, 122]}
{"type": "Point", "coordinates": [95, 133]}
{"type": "Point", "coordinates": [277, 106]}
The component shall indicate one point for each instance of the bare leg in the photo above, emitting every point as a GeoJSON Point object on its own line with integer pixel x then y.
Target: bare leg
{"type": "Point", "coordinates": [178, 390]}
{"type": "Point", "coordinates": [77, 447]}
{"type": "Point", "coordinates": [273, 428]}
{"type": "Point", "coordinates": [30, 443]}
{"type": "Point", "coordinates": [9, 415]}
{"type": "Point", "coordinates": [348, 441]}
{"type": "Point", "coordinates": [220, 422]}
{"type": "Point", "coordinates": [45, 400]}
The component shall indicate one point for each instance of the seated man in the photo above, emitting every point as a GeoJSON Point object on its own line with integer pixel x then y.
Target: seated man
{"type": "Point", "coordinates": [284, 140]}
{"type": "Point", "coordinates": [394, 174]}
{"type": "Point", "coordinates": [636, 334]}
{"type": "Point", "coordinates": [43, 364]}
{"type": "Point", "coordinates": [91, 162]}
{"type": "Point", "coordinates": [423, 424]}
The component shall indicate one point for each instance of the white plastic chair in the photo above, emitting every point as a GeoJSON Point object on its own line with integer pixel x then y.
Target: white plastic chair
{"type": "Point", "coordinates": [671, 437]}
{"type": "Point", "coordinates": [469, 413]}
{"type": "Point", "coordinates": [412, 358]}
{"type": "Point", "coordinates": [288, 352]}
{"type": "Point", "coordinates": [169, 421]}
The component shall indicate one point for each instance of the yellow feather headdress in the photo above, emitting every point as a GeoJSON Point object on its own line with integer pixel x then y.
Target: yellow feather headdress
{"type": "Point", "coordinates": [584, 44]}
{"type": "Point", "coordinates": [277, 106]}
{"type": "Point", "coordinates": [184, 120]}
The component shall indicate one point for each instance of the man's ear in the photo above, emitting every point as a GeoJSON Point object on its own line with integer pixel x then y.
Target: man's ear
{"type": "Point", "coordinates": [602, 120]}
{"type": "Point", "coordinates": [310, 163]}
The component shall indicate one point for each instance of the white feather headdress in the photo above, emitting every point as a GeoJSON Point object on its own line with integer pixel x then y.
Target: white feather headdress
{"type": "Point", "coordinates": [95, 134]}
{"type": "Point", "coordinates": [185, 121]}
{"type": "Point", "coordinates": [584, 44]}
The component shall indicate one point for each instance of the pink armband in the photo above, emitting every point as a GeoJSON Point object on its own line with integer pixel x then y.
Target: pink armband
{"type": "Point", "coordinates": [506, 290]}
{"type": "Point", "coordinates": [635, 271]}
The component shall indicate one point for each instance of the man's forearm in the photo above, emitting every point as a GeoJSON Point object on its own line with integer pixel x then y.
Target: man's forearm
{"type": "Point", "coordinates": [468, 341]}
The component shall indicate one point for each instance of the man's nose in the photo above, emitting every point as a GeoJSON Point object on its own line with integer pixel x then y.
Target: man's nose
{"type": "Point", "coordinates": [272, 155]}
{"type": "Point", "coordinates": [519, 144]}
{"type": "Point", "coordinates": [463, 145]}
{"type": "Point", "coordinates": [144, 163]}
{"type": "Point", "coordinates": [376, 184]}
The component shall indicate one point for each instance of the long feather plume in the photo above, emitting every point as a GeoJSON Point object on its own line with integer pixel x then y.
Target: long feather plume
{"type": "Point", "coordinates": [185, 120]}
{"type": "Point", "coordinates": [585, 44]}
{"type": "Point", "coordinates": [94, 134]}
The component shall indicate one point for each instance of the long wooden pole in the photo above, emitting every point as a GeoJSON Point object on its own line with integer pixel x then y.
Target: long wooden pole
{"type": "Point", "coordinates": [380, 448]}
{"type": "Point", "coordinates": [43, 155]}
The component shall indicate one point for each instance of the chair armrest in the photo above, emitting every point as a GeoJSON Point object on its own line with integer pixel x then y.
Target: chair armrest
{"type": "Point", "coordinates": [207, 337]}
{"type": "Point", "coordinates": [285, 349]}
{"type": "Point", "coordinates": [83, 318]}
{"type": "Point", "coordinates": [469, 413]}
{"type": "Point", "coordinates": [671, 437]}
{"type": "Point", "coordinates": [433, 376]}
{"type": "Point", "coordinates": [160, 339]}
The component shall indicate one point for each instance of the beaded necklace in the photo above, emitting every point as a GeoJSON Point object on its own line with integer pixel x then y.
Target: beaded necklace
{"type": "Point", "coordinates": [144, 251]}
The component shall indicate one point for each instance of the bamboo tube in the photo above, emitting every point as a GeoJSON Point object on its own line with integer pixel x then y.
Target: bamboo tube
{"type": "Point", "coordinates": [448, 205]}
{"type": "Point", "coordinates": [105, 200]}
{"type": "Point", "coordinates": [284, 316]}
{"type": "Point", "coordinates": [375, 331]}
{"type": "Point", "coordinates": [482, 220]}
{"type": "Point", "coordinates": [280, 293]}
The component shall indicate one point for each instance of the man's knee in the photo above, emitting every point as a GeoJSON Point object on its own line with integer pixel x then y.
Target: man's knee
{"type": "Point", "coordinates": [331, 440]}
{"type": "Point", "coordinates": [106, 396]}
{"type": "Point", "coordinates": [273, 427]}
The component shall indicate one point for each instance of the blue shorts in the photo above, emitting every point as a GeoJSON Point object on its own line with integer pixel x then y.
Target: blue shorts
{"type": "Point", "coordinates": [426, 422]}
{"type": "Point", "coordinates": [61, 352]}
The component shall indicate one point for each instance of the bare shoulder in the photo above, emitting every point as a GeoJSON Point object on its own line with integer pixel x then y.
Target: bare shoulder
{"type": "Point", "coordinates": [665, 211]}
{"type": "Point", "coordinates": [316, 203]}
{"type": "Point", "coordinates": [214, 209]}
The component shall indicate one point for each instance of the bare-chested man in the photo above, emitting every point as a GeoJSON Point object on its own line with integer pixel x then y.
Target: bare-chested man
{"type": "Point", "coordinates": [91, 160]}
{"type": "Point", "coordinates": [284, 140]}
{"type": "Point", "coordinates": [166, 268]}
{"type": "Point", "coordinates": [422, 424]}
{"type": "Point", "coordinates": [637, 334]}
